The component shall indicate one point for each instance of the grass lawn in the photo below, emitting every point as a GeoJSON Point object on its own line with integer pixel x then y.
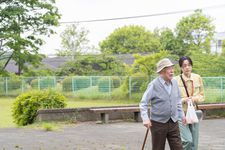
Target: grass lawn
{"type": "Point", "coordinates": [6, 114]}
{"type": "Point", "coordinates": [6, 119]}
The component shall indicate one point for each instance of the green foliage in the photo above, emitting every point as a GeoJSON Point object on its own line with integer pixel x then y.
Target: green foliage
{"type": "Point", "coordinates": [81, 82]}
{"type": "Point", "coordinates": [22, 25]}
{"type": "Point", "coordinates": [208, 64]}
{"type": "Point", "coordinates": [168, 40]}
{"type": "Point", "coordinates": [10, 84]}
{"type": "Point", "coordinates": [142, 69]}
{"type": "Point", "coordinates": [116, 81]}
{"type": "Point", "coordinates": [106, 84]}
{"type": "Point", "coordinates": [194, 32]}
{"type": "Point", "coordinates": [214, 83]}
{"type": "Point", "coordinates": [75, 83]}
{"type": "Point", "coordinates": [4, 73]}
{"type": "Point", "coordinates": [135, 83]}
{"type": "Point", "coordinates": [92, 65]}
{"type": "Point", "coordinates": [139, 83]}
{"type": "Point", "coordinates": [27, 104]}
{"type": "Point", "coordinates": [38, 71]}
{"type": "Point", "coordinates": [74, 41]}
{"type": "Point", "coordinates": [43, 83]}
{"type": "Point", "coordinates": [147, 64]}
{"type": "Point", "coordinates": [130, 39]}
{"type": "Point", "coordinates": [67, 84]}
{"type": "Point", "coordinates": [13, 82]}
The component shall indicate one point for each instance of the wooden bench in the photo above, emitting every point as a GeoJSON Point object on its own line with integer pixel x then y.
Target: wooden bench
{"type": "Point", "coordinates": [205, 107]}
{"type": "Point", "coordinates": [104, 112]}
{"type": "Point", "coordinates": [211, 106]}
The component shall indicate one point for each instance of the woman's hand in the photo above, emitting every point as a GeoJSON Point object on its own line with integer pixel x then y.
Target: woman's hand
{"type": "Point", "coordinates": [184, 120]}
{"type": "Point", "coordinates": [186, 100]}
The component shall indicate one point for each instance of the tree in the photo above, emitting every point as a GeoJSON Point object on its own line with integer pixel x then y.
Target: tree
{"type": "Point", "coordinates": [195, 32]}
{"type": "Point", "coordinates": [208, 64]}
{"type": "Point", "coordinates": [146, 65]}
{"type": "Point", "coordinates": [22, 25]}
{"type": "Point", "coordinates": [92, 65]}
{"type": "Point", "coordinates": [168, 40]}
{"type": "Point", "coordinates": [130, 39]}
{"type": "Point", "coordinates": [74, 41]}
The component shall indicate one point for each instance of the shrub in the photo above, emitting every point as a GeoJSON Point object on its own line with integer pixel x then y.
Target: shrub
{"type": "Point", "coordinates": [78, 83]}
{"type": "Point", "coordinates": [43, 83]}
{"type": "Point", "coordinates": [2, 87]}
{"type": "Point", "coordinates": [81, 82]}
{"type": "Point", "coordinates": [116, 81]}
{"type": "Point", "coordinates": [12, 84]}
{"type": "Point", "coordinates": [135, 84]}
{"type": "Point", "coordinates": [27, 104]}
{"type": "Point", "coordinates": [103, 84]}
{"type": "Point", "coordinates": [34, 83]}
{"type": "Point", "coordinates": [94, 80]}
{"type": "Point", "coordinates": [67, 84]}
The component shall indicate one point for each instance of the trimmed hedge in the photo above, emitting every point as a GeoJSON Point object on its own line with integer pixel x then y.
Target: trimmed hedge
{"type": "Point", "coordinates": [27, 104]}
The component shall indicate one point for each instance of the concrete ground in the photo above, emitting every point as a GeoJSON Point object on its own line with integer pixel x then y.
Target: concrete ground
{"type": "Point", "coordinates": [92, 136]}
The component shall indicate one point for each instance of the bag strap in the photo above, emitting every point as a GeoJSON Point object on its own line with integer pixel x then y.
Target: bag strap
{"type": "Point", "coordinates": [185, 87]}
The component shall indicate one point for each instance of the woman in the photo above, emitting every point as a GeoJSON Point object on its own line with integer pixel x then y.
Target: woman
{"type": "Point", "coordinates": [195, 93]}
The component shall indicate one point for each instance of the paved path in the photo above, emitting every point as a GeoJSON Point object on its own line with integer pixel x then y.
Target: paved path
{"type": "Point", "coordinates": [91, 136]}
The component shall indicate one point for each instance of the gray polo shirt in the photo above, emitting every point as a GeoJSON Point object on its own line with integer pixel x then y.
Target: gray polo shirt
{"type": "Point", "coordinates": [165, 102]}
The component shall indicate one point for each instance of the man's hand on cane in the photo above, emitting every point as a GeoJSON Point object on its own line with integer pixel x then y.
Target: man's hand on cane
{"type": "Point", "coordinates": [147, 124]}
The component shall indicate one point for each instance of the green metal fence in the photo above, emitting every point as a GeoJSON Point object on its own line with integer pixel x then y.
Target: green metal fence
{"type": "Point", "coordinates": [100, 87]}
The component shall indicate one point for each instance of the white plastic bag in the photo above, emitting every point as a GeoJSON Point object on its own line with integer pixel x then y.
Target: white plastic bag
{"type": "Point", "coordinates": [191, 116]}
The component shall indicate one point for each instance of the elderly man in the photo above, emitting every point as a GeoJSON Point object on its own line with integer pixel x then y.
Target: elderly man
{"type": "Point", "coordinates": [164, 96]}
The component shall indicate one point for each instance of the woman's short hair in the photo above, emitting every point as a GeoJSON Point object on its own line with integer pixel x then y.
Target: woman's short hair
{"type": "Point", "coordinates": [183, 58]}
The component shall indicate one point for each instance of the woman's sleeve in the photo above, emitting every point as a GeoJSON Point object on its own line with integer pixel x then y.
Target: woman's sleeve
{"type": "Point", "coordinates": [200, 96]}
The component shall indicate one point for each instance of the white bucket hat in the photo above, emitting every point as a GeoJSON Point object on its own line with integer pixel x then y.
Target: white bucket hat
{"type": "Point", "coordinates": [163, 64]}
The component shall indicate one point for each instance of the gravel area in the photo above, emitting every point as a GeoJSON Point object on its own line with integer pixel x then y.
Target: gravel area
{"type": "Point", "coordinates": [92, 136]}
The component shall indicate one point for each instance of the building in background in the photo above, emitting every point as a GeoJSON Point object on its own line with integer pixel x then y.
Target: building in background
{"type": "Point", "coordinates": [216, 44]}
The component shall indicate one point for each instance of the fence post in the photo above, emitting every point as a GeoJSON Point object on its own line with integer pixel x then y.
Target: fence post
{"type": "Point", "coordinates": [73, 88]}
{"type": "Point", "coordinates": [90, 81]}
{"type": "Point", "coordinates": [6, 85]}
{"type": "Point", "coordinates": [22, 84]}
{"type": "Point", "coordinates": [109, 87]}
{"type": "Point", "coordinates": [129, 84]}
{"type": "Point", "coordinates": [221, 89]}
{"type": "Point", "coordinates": [55, 82]}
{"type": "Point", "coordinates": [39, 86]}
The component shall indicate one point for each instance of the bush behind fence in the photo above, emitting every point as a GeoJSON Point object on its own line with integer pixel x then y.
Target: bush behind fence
{"type": "Point", "coordinates": [100, 87]}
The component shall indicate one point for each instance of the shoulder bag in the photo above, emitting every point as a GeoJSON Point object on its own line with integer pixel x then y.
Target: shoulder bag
{"type": "Point", "coordinates": [198, 111]}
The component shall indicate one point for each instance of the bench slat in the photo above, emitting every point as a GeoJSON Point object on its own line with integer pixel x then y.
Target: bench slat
{"type": "Point", "coordinates": [128, 109]}
{"type": "Point", "coordinates": [211, 106]}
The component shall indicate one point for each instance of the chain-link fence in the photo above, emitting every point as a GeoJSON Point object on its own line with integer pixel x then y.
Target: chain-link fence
{"type": "Point", "coordinates": [100, 87]}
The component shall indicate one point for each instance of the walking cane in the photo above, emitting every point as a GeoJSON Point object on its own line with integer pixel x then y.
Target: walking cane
{"type": "Point", "coordinates": [146, 135]}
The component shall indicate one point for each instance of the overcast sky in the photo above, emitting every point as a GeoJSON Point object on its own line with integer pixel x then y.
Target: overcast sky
{"type": "Point", "coordinates": [77, 10]}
